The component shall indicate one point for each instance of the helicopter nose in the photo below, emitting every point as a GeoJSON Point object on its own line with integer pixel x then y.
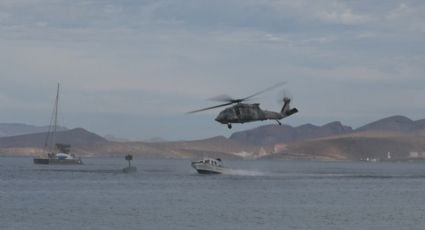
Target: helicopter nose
{"type": "Point", "coordinates": [220, 118]}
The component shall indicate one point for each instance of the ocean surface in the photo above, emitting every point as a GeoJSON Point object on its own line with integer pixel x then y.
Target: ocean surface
{"type": "Point", "coordinates": [169, 194]}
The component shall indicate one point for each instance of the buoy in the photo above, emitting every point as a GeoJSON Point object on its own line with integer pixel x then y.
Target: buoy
{"type": "Point", "coordinates": [130, 168]}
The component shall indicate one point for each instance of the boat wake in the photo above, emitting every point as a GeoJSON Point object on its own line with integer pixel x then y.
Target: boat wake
{"type": "Point", "coordinates": [241, 172]}
{"type": "Point", "coordinates": [83, 170]}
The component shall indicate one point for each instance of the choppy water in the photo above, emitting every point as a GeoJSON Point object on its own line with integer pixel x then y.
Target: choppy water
{"type": "Point", "coordinates": [168, 194]}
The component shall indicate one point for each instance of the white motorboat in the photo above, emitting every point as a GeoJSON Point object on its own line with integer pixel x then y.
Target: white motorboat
{"type": "Point", "coordinates": [208, 166]}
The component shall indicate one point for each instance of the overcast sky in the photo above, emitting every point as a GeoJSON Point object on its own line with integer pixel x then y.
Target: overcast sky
{"type": "Point", "coordinates": [132, 68]}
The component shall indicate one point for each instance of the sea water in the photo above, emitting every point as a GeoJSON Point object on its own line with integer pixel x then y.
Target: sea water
{"type": "Point", "coordinates": [169, 194]}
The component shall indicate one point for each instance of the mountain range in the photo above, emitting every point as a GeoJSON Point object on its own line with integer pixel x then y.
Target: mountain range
{"type": "Point", "coordinates": [396, 136]}
{"type": "Point", "coordinates": [272, 134]}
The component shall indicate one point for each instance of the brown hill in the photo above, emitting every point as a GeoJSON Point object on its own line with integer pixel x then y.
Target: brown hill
{"type": "Point", "coordinates": [212, 147]}
{"type": "Point", "coordinates": [274, 134]}
{"type": "Point", "coordinates": [358, 146]}
{"type": "Point", "coordinates": [74, 137]}
{"type": "Point", "coordinates": [393, 124]}
{"type": "Point", "coordinates": [88, 144]}
{"type": "Point", "coordinates": [401, 136]}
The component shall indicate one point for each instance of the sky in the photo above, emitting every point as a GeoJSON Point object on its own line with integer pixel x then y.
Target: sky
{"type": "Point", "coordinates": [133, 68]}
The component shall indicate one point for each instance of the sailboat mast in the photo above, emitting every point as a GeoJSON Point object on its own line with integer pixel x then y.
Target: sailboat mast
{"type": "Point", "coordinates": [55, 118]}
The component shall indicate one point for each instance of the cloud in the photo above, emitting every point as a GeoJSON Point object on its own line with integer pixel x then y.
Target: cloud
{"type": "Point", "coordinates": [137, 59]}
{"type": "Point", "coordinates": [407, 17]}
{"type": "Point", "coordinates": [345, 17]}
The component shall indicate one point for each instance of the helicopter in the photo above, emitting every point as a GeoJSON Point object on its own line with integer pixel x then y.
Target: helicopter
{"type": "Point", "coordinates": [244, 112]}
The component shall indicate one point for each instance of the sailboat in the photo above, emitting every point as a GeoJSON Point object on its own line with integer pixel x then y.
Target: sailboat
{"type": "Point", "coordinates": [56, 153]}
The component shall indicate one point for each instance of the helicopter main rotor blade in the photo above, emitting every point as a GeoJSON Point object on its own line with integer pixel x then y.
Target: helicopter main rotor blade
{"type": "Point", "coordinates": [262, 91]}
{"type": "Point", "coordinates": [230, 100]}
{"type": "Point", "coordinates": [222, 98]}
{"type": "Point", "coordinates": [213, 107]}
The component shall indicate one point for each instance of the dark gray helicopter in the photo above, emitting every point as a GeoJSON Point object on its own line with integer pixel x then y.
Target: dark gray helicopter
{"type": "Point", "coordinates": [243, 112]}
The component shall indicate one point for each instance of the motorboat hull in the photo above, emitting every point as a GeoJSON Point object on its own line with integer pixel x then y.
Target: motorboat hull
{"type": "Point", "coordinates": [200, 171]}
{"type": "Point", "coordinates": [202, 168]}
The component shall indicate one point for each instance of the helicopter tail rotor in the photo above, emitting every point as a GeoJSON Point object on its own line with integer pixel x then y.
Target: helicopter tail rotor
{"type": "Point", "coordinates": [283, 96]}
{"type": "Point", "coordinates": [286, 109]}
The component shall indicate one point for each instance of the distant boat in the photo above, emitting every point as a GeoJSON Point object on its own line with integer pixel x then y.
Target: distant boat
{"type": "Point", "coordinates": [56, 153]}
{"type": "Point", "coordinates": [208, 166]}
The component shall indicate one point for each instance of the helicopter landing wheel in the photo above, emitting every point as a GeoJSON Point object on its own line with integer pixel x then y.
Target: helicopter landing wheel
{"type": "Point", "coordinates": [229, 126]}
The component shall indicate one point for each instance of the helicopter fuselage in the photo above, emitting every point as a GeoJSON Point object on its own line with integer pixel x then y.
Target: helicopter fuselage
{"type": "Point", "coordinates": [243, 113]}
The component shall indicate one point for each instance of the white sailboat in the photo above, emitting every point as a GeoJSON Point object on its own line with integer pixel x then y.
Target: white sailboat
{"type": "Point", "coordinates": [56, 153]}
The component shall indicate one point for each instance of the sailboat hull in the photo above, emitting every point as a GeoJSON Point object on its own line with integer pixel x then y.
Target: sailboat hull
{"type": "Point", "coordinates": [47, 161]}
{"type": "Point", "coordinates": [41, 161]}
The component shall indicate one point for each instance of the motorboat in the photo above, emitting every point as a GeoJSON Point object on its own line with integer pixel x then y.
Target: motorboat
{"type": "Point", "coordinates": [208, 166]}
